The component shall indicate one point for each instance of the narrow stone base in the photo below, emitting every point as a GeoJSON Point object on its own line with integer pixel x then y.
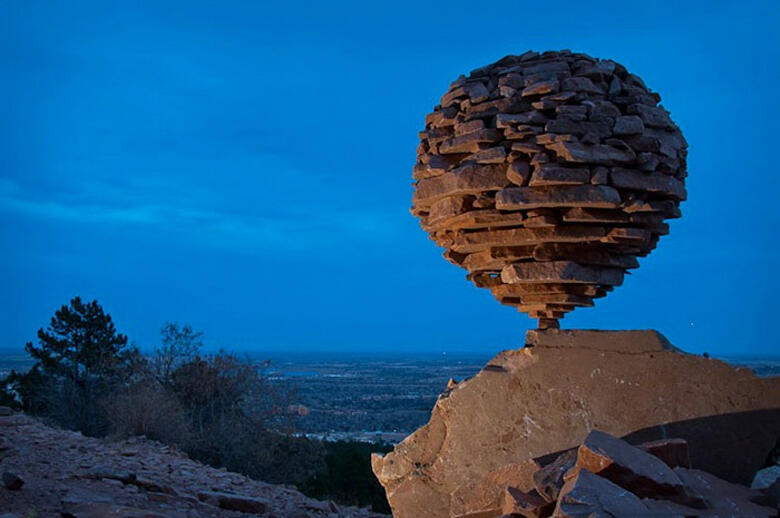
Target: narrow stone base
{"type": "Point", "coordinates": [634, 341]}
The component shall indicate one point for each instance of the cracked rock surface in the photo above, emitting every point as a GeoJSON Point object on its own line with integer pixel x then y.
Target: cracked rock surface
{"type": "Point", "coordinates": [529, 404]}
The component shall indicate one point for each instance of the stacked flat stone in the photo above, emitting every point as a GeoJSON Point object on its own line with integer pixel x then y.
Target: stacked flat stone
{"type": "Point", "coordinates": [546, 176]}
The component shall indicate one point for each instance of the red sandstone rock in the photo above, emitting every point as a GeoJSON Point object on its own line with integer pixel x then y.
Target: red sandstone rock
{"type": "Point", "coordinates": [650, 182]}
{"type": "Point", "coordinates": [549, 479]}
{"type": "Point", "coordinates": [469, 242]}
{"type": "Point", "coordinates": [620, 466]}
{"type": "Point", "coordinates": [561, 271]}
{"type": "Point", "coordinates": [632, 342]}
{"type": "Point", "coordinates": [537, 401]}
{"type": "Point", "coordinates": [551, 174]}
{"type": "Point", "coordinates": [471, 142]}
{"type": "Point", "coordinates": [629, 467]}
{"type": "Point", "coordinates": [468, 179]}
{"type": "Point", "coordinates": [587, 495]}
{"type": "Point", "coordinates": [528, 504]}
{"type": "Point", "coordinates": [584, 493]}
{"type": "Point", "coordinates": [485, 495]}
{"type": "Point", "coordinates": [593, 196]}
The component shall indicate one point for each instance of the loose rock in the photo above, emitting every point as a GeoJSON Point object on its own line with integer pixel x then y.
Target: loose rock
{"type": "Point", "coordinates": [234, 502]}
{"type": "Point", "coordinates": [632, 468]}
{"type": "Point", "coordinates": [11, 481]}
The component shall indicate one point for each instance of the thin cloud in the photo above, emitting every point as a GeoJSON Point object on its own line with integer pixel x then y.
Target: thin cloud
{"type": "Point", "coordinates": [295, 231]}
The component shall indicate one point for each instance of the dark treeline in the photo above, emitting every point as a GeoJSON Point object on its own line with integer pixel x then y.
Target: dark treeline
{"type": "Point", "coordinates": [218, 408]}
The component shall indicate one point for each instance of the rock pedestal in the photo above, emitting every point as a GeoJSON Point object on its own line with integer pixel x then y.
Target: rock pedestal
{"type": "Point", "coordinates": [526, 406]}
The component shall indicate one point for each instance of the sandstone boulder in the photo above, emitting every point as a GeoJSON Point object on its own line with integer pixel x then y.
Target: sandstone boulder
{"type": "Point", "coordinates": [632, 468]}
{"type": "Point", "coordinates": [486, 495]}
{"type": "Point", "coordinates": [629, 483]}
{"type": "Point", "coordinates": [535, 402]}
{"type": "Point", "coordinates": [586, 495]}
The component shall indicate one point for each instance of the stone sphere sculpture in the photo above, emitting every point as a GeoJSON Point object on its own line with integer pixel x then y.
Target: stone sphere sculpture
{"type": "Point", "coordinates": [546, 176]}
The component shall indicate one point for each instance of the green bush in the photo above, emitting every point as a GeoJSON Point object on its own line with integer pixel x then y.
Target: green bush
{"type": "Point", "coordinates": [348, 478]}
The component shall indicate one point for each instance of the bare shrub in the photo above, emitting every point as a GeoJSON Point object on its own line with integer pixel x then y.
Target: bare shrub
{"type": "Point", "coordinates": [179, 344]}
{"type": "Point", "coordinates": [147, 409]}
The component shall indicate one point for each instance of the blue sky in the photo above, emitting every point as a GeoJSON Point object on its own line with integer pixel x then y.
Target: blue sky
{"type": "Point", "coordinates": [245, 167]}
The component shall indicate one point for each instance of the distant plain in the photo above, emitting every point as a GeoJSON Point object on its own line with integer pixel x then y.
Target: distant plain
{"type": "Point", "coordinates": [374, 398]}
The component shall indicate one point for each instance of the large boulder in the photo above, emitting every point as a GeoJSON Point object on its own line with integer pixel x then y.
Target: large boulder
{"type": "Point", "coordinates": [642, 473]}
{"type": "Point", "coordinates": [535, 402]}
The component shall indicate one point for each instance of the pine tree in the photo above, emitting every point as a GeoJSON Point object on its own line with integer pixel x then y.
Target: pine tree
{"type": "Point", "coordinates": [81, 361]}
{"type": "Point", "coordinates": [81, 341]}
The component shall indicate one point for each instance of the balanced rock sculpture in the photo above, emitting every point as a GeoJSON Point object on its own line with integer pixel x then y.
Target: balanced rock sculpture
{"type": "Point", "coordinates": [546, 176]}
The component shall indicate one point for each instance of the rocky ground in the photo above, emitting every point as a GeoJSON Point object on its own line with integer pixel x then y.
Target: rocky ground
{"type": "Point", "coordinates": [65, 474]}
{"type": "Point", "coordinates": [606, 476]}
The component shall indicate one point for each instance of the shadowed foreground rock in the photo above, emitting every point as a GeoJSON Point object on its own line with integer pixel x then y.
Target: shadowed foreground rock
{"type": "Point", "coordinates": [602, 488]}
{"type": "Point", "coordinates": [71, 476]}
{"type": "Point", "coordinates": [528, 405]}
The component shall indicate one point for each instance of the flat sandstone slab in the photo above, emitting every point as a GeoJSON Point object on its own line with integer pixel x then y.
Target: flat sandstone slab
{"type": "Point", "coordinates": [467, 179]}
{"type": "Point", "coordinates": [634, 341]}
{"type": "Point", "coordinates": [560, 271]}
{"type": "Point", "coordinates": [587, 196]}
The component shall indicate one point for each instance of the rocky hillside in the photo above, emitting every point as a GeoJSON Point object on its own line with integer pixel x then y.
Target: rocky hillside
{"type": "Point", "coordinates": [52, 473]}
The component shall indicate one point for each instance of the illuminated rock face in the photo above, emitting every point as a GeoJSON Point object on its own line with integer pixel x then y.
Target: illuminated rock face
{"type": "Point", "coordinates": [546, 176]}
{"type": "Point", "coordinates": [494, 430]}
